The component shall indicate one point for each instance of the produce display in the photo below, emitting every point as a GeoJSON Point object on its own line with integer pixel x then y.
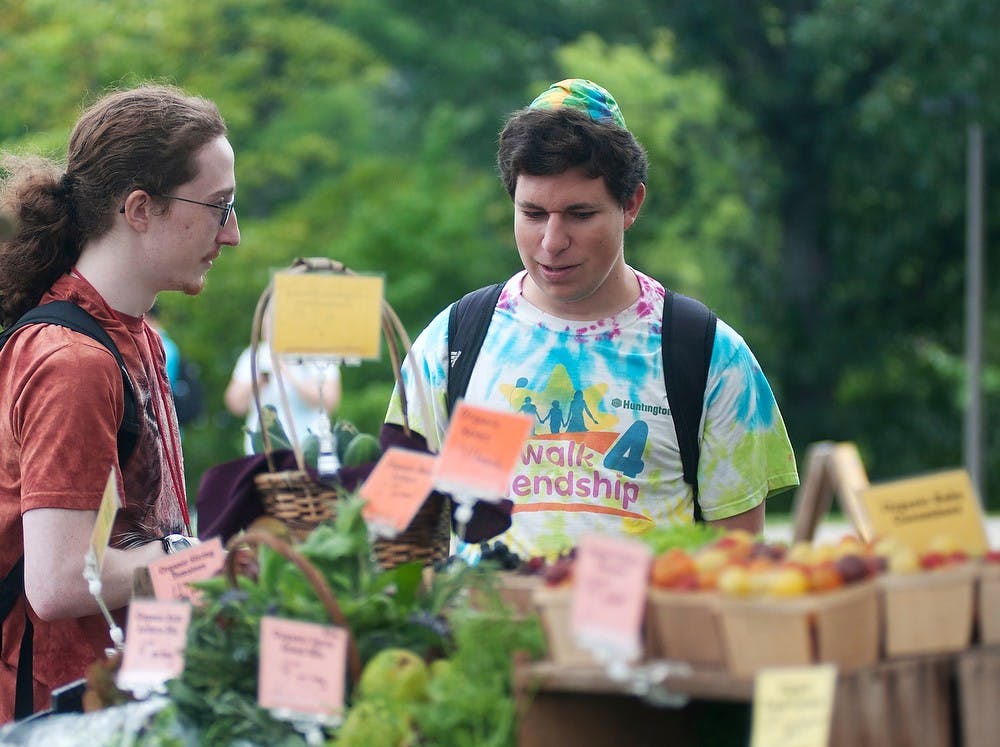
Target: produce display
{"type": "Point", "coordinates": [433, 649]}
{"type": "Point", "coordinates": [733, 601]}
{"type": "Point", "coordinates": [353, 447]}
{"type": "Point", "coordinates": [434, 668]}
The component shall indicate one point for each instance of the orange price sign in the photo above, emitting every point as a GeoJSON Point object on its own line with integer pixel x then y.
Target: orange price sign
{"type": "Point", "coordinates": [480, 451]}
{"type": "Point", "coordinates": [395, 490]}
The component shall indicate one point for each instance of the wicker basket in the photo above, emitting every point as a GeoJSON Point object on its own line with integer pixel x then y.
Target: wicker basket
{"type": "Point", "coordinates": [301, 502]}
{"type": "Point", "coordinates": [427, 538]}
{"type": "Point", "coordinates": [254, 538]}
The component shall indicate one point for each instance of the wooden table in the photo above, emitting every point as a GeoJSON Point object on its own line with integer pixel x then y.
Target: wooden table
{"type": "Point", "coordinates": [936, 700]}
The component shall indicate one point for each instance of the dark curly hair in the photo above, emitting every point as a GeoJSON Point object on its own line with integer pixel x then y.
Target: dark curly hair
{"type": "Point", "coordinates": [142, 138]}
{"type": "Point", "coordinates": [541, 142]}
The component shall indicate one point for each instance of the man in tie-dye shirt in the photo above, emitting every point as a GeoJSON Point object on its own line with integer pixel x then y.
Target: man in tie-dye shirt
{"type": "Point", "coordinates": [575, 342]}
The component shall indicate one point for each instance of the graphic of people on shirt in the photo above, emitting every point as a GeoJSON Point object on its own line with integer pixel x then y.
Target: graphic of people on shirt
{"type": "Point", "coordinates": [574, 421]}
{"type": "Point", "coordinates": [555, 417]}
{"type": "Point", "coordinates": [530, 408]}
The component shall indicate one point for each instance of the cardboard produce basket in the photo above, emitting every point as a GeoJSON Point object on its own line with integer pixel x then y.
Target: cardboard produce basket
{"type": "Point", "coordinates": [518, 591]}
{"type": "Point", "coordinates": [928, 612]}
{"type": "Point", "coordinates": [988, 604]}
{"type": "Point", "coordinates": [554, 605]}
{"type": "Point", "coordinates": [685, 626]}
{"type": "Point", "coordinates": [838, 626]}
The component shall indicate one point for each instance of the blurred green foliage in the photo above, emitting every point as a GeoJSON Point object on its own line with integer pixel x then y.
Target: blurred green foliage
{"type": "Point", "coordinates": [807, 172]}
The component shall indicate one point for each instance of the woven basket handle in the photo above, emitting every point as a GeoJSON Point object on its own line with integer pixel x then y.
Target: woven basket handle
{"type": "Point", "coordinates": [256, 537]}
{"type": "Point", "coordinates": [397, 341]}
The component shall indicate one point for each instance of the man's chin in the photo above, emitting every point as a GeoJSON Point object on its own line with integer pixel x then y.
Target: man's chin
{"type": "Point", "coordinates": [193, 289]}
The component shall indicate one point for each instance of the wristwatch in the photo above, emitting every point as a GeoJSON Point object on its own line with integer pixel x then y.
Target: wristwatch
{"type": "Point", "coordinates": [173, 543]}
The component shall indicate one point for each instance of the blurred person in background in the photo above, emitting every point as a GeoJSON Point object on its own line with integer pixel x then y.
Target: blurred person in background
{"type": "Point", "coordinates": [313, 390]}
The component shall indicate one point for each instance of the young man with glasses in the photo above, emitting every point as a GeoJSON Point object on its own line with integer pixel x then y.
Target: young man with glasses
{"type": "Point", "coordinates": [144, 204]}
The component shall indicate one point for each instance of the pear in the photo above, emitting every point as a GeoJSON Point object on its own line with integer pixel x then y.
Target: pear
{"type": "Point", "coordinates": [396, 675]}
{"type": "Point", "coordinates": [375, 723]}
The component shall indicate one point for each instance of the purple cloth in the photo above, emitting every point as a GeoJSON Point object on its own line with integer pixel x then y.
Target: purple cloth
{"type": "Point", "coordinates": [227, 501]}
{"type": "Point", "coordinates": [488, 519]}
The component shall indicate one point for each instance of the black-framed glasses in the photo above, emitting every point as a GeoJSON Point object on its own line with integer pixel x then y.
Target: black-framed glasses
{"type": "Point", "coordinates": [226, 208]}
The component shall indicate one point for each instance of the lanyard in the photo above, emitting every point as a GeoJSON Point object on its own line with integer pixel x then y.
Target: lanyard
{"type": "Point", "coordinates": [169, 435]}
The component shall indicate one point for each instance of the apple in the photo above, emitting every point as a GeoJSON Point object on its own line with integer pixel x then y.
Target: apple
{"type": "Point", "coordinates": [734, 580]}
{"type": "Point", "coordinates": [904, 560]}
{"type": "Point", "coordinates": [932, 559]}
{"type": "Point", "coordinates": [852, 568]}
{"type": "Point", "coordinates": [787, 581]}
{"type": "Point", "coordinates": [825, 576]}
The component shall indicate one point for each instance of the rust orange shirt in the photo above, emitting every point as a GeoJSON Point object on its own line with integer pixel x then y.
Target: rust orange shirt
{"type": "Point", "coordinates": [61, 401]}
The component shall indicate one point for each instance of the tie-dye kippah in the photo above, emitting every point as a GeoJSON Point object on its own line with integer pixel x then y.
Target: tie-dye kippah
{"type": "Point", "coordinates": [584, 95]}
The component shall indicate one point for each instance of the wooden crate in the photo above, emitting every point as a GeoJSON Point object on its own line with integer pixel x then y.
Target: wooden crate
{"type": "Point", "coordinates": [978, 674]}
{"type": "Point", "coordinates": [900, 702]}
{"type": "Point", "coordinates": [839, 626]}
{"type": "Point", "coordinates": [685, 626]}
{"type": "Point", "coordinates": [928, 612]}
{"type": "Point", "coordinates": [988, 604]}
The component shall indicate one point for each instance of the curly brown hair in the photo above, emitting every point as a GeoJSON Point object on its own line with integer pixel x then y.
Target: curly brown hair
{"type": "Point", "coordinates": [543, 142]}
{"type": "Point", "coordinates": [142, 138]}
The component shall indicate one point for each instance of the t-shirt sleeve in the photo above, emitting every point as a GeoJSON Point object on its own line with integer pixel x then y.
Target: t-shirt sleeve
{"type": "Point", "coordinates": [66, 419]}
{"type": "Point", "coordinates": [746, 455]}
{"type": "Point", "coordinates": [241, 371]}
{"type": "Point", "coordinates": [425, 382]}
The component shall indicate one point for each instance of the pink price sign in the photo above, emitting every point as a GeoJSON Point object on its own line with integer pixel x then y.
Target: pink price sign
{"type": "Point", "coordinates": [610, 581]}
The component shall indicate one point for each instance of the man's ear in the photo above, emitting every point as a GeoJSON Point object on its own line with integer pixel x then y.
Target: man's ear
{"type": "Point", "coordinates": [633, 204]}
{"type": "Point", "coordinates": [138, 209]}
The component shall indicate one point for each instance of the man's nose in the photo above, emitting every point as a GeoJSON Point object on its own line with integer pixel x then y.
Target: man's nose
{"type": "Point", "coordinates": [556, 237]}
{"type": "Point", "coordinates": [229, 234]}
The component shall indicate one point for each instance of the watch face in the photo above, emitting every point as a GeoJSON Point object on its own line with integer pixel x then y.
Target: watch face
{"type": "Point", "coordinates": [175, 543]}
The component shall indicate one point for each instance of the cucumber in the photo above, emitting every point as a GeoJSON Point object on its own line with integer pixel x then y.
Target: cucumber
{"type": "Point", "coordinates": [363, 449]}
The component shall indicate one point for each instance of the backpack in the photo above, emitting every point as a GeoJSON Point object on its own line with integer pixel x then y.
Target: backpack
{"type": "Point", "coordinates": [189, 399]}
{"type": "Point", "coordinates": [688, 337]}
{"type": "Point", "coordinates": [69, 315]}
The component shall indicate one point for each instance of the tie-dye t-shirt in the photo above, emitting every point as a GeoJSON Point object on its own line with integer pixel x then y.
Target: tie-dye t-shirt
{"type": "Point", "coordinates": [603, 453]}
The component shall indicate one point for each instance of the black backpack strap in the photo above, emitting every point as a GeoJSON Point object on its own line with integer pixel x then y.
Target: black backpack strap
{"type": "Point", "coordinates": [12, 589]}
{"type": "Point", "coordinates": [688, 338]}
{"type": "Point", "coordinates": [67, 314]}
{"type": "Point", "coordinates": [24, 686]}
{"type": "Point", "coordinates": [468, 321]}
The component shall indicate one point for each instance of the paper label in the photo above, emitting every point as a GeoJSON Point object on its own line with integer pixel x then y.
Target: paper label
{"type": "Point", "coordinates": [917, 509]}
{"type": "Point", "coordinates": [302, 666]}
{"type": "Point", "coordinates": [171, 574]}
{"type": "Point", "coordinates": [610, 582]}
{"type": "Point", "coordinates": [326, 314]}
{"type": "Point", "coordinates": [480, 451]}
{"type": "Point", "coordinates": [111, 502]}
{"type": "Point", "coordinates": [154, 647]}
{"type": "Point", "coordinates": [395, 489]}
{"type": "Point", "coordinates": [793, 706]}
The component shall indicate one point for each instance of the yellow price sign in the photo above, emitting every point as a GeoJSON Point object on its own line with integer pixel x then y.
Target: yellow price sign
{"type": "Point", "coordinates": [915, 510]}
{"type": "Point", "coordinates": [327, 314]}
{"type": "Point", "coordinates": [793, 706]}
{"type": "Point", "coordinates": [111, 502]}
